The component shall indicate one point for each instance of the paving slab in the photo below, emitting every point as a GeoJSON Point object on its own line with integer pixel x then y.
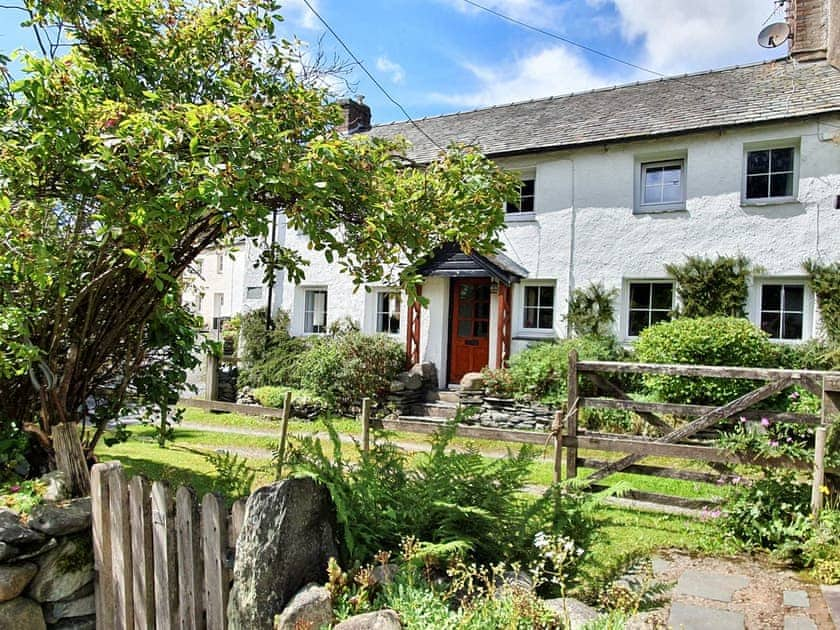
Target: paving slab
{"type": "Point", "coordinates": [688, 617]}
{"type": "Point", "coordinates": [799, 622]}
{"type": "Point", "coordinates": [660, 565]}
{"type": "Point", "coordinates": [716, 586]}
{"type": "Point", "coordinates": [831, 595]}
{"type": "Point", "coordinates": [796, 599]}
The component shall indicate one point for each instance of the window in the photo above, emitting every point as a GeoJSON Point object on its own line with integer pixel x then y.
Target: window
{"type": "Point", "coordinates": [315, 311]}
{"type": "Point", "coordinates": [526, 198]}
{"type": "Point", "coordinates": [662, 186]}
{"type": "Point", "coordinates": [538, 311]}
{"type": "Point", "coordinates": [220, 262]}
{"type": "Point", "coordinates": [253, 293]}
{"type": "Point", "coordinates": [650, 303]}
{"type": "Point", "coordinates": [387, 312]}
{"type": "Point", "coordinates": [782, 310]}
{"type": "Point", "coordinates": [770, 173]}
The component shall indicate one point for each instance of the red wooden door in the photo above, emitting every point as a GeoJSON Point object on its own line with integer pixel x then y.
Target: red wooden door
{"type": "Point", "coordinates": [469, 338]}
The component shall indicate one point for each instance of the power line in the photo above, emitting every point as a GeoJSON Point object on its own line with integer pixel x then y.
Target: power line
{"type": "Point", "coordinates": [370, 76]}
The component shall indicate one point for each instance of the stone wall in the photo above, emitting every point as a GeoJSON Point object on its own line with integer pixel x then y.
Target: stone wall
{"type": "Point", "coordinates": [46, 563]}
{"type": "Point", "coordinates": [410, 388]}
{"type": "Point", "coordinates": [501, 413]}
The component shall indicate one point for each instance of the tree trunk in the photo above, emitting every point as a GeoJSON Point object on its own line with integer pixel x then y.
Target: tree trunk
{"type": "Point", "coordinates": [69, 457]}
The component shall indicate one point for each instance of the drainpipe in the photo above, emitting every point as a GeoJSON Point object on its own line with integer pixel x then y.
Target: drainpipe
{"type": "Point", "coordinates": [572, 222]}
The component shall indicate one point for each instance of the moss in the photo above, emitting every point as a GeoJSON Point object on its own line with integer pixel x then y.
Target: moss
{"type": "Point", "coordinates": [81, 556]}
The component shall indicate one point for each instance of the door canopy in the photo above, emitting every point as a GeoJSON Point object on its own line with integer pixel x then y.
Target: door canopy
{"type": "Point", "coordinates": [449, 261]}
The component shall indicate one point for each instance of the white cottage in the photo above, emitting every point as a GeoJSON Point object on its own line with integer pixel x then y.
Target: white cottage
{"type": "Point", "coordinates": [617, 183]}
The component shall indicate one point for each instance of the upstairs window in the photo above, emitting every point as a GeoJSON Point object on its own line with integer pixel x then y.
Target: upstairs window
{"type": "Point", "coordinates": [649, 304]}
{"type": "Point", "coordinates": [662, 186]}
{"type": "Point", "coordinates": [220, 263]}
{"type": "Point", "coordinates": [315, 311]}
{"type": "Point", "coordinates": [526, 199]}
{"type": "Point", "coordinates": [783, 310]}
{"type": "Point", "coordinates": [770, 173]}
{"type": "Point", "coordinates": [388, 312]}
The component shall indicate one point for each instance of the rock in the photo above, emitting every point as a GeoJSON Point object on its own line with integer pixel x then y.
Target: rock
{"type": "Point", "coordinates": [76, 623]}
{"type": "Point", "coordinates": [385, 573]}
{"type": "Point", "coordinates": [21, 613]}
{"type": "Point", "coordinates": [579, 613]}
{"type": "Point", "coordinates": [58, 489]}
{"type": "Point", "coordinates": [7, 551]}
{"type": "Point", "coordinates": [311, 607]}
{"type": "Point", "coordinates": [397, 386]}
{"type": "Point", "coordinates": [61, 519]}
{"type": "Point", "coordinates": [86, 590]}
{"type": "Point", "coordinates": [426, 370]}
{"type": "Point", "coordinates": [13, 531]}
{"type": "Point", "coordinates": [411, 381]}
{"type": "Point", "coordinates": [472, 381]}
{"type": "Point", "coordinates": [14, 578]}
{"type": "Point", "coordinates": [64, 570]}
{"type": "Point", "coordinates": [287, 538]}
{"type": "Point", "coordinates": [34, 551]}
{"type": "Point", "coordinates": [379, 620]}
{"type": "Point", "coordinates": [83, 607]}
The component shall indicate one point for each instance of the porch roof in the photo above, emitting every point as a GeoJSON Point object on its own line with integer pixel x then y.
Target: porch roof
{"type": "Point", "coordinates": [450, 261]}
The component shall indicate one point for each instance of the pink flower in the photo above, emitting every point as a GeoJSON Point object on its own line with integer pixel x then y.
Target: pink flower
{"type": "Point", "coordinates": [743, 419]}
{"type": "Point", "coordinates": [794, 396]}
{"type": "Point", "coordinates": [774, 443]}
{"type": "Point", "coordinates": [789, 440]}
{"type": "Point", "coordinates": [14, 488]}
{"type": "Point", "coordinates": [765, 422]}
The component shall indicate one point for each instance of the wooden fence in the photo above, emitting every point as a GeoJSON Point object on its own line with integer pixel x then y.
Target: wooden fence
{"type": "Point", "coordinates": [162, 560]}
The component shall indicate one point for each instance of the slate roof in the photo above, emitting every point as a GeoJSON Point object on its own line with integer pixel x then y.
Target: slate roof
{"type": "Point", "coordinates": [720, 98]}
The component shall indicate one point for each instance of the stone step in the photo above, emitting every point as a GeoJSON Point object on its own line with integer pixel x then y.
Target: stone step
{"type": "Point", "coordinates": [434, 410]}
{"type": "Point", "coordinates": [444, 395]}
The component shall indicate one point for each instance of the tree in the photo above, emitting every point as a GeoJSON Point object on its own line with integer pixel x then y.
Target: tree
{"type": "Point", "coordinates": [165, 127]}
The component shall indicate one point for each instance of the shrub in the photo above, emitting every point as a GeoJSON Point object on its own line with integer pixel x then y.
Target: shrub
{"type": "Point", "coordinates": [824, 281]}
{"type": "Point", "coordinates": [304, 404]}
{"type": "Point", "coordinates": [712, 287]}
{"type": "Point", "coordinates": [540, 372]}
{"type": "Point", "coordinates": [810, 355]}
{"type": "Point", "coordinates": [347, 367]}
{"type": "Point", "coordinates": [591, 310]}
{"type": "Point", "coordinates": [729, 341]}
{"type": "Point", "coordinates": [268, 357]}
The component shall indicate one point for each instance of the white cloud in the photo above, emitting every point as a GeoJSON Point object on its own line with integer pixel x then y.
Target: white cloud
{"type": "Point", "coordinates": [549, 72]}
{"type": "Point", "coordinates": [297, 14]}
{"type": "Point", "coordinates": [687, 36]}
{"type": "Point", "coordinates": [536, 12]}
{"type": "Point", "coordinates": [391, 68]}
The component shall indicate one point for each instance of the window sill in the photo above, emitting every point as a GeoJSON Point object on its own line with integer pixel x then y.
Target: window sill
{"type": "Point", "coordinates": [535, 334]}
{"type": "Point", "coordinates": [770, 201]}
{"type": "Point", "coordinates": [517, 217]}
{"type": "Point", "coordinates": [659, 209]}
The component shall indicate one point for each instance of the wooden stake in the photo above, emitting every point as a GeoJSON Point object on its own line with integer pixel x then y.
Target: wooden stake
{"type": "Point", "coordinates": [365, 425]}
{"type": "Point", "coordinates": [558, 446]}
{"type": "Point", "coordinates": [572, 414]}
{"type": "Point", "coordinates": [284, 429]}
{"type": "Point", "coordinates": [819, 471]}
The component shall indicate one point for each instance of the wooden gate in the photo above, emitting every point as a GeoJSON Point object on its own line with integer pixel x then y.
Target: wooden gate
{"type": "Point", "coordinates": [162, 560]}
{"type": "Point", "coordinates": [672, 441]}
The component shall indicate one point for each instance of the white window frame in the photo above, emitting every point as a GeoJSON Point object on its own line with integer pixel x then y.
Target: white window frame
{"type": "Point", "coordinates": [248, 293]}
{"type": "Point", "coordinates": [306, 291]}
{"type": "Point", "coordinates": [661, 206]}
{"type": "Point", "coordinates": [376, 297]}
{"type": "Point", "coordinates": [765, 146]}
{"type": "Point", "coordinates": [220, 262]}
{"type": "Point", "coordinates": [519, 311]}
{"type": "Point", "coordinates": [808, 304]}
{"type": "Point", "coordinates": [529, 215]}
{"type": "Point", "coordinates": [625, 301]}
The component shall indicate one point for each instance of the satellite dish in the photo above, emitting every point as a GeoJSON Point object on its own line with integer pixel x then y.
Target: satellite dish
{"type": "Point", "coordinates": [774, 35]}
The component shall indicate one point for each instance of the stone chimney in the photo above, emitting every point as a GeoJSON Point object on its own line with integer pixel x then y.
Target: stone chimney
{"type": "Point", "coordinates": [815, 30]}
{"type": "Point", "coordinates": [357, 115]}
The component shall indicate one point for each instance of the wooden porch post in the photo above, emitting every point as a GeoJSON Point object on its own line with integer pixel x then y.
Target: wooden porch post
{"type": "Point", "coordinates": [503, 327]}
{"type": "Point", "coordinates": [412, 333]}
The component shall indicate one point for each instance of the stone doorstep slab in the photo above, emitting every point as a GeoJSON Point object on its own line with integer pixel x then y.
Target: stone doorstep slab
{"type": "Point", "coordinates": [716, 586]}
{"type": "Point", "coordinates": [796, 599]}
{"type": "Point", "coordinates": [687, 617]}
{"type": "Point", "coordinates": [799, 622]}
{"type": "Point", "coordinates": [831, 595]}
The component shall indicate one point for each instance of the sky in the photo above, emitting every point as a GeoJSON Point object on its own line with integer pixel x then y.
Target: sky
{"type": "Point", "coordinates": [441, 56]}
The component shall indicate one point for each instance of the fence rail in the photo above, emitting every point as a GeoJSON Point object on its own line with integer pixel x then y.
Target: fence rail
{"type": "Point", "coordinates": [162, 559]}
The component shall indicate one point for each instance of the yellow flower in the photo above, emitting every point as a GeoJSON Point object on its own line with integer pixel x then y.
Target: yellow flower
{"type": "Point", "coordinates": [824, 489]}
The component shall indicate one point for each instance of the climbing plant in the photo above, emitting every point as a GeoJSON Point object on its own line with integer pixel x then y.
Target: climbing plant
{"type": "Point", "coordinates": [592, 310]}
{"type": "Point", "coordinates": [824, 280]}
{"type": "Point", "coordinates": [709, 287]}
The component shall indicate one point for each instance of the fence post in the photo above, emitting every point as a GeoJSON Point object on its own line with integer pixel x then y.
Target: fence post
{"type": "Point", "coordinates": [103, 584]}
{"type": "Point", "coordinates": [123, 611]}
{"type": "Point", "coordinates": [557, 429]}
{"type": "Point", "coordinates": [365, 425]}
{"type": "Point", "coordinates": [284, 429]}
{"type": "Point", "coordinates": [572, 415]}
{"type": "Point", "coordinates": [819, 471]}
{"type": "Point", "coordinates": [141, 552]}
{"type": "Point", "coordinates": [190, 567]}
{"type": "Point", "coordinates": [214, 547]}
{"type": "Point", "coordinates": [166, 558]}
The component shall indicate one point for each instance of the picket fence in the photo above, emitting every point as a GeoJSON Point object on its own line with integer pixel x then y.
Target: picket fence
{"type": "Point", "coordinates": [162, 560]}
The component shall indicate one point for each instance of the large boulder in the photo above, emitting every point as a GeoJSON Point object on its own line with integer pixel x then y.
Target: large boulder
{"type": "Point", "coordinates": [472, 381]}
{"type": "Point", "coordinates": [578, 613]}
{"type": "Point", "coordinates": [64, 570]}
{"type": "Point", "coordinates": [61, 519]}
{"type": "Point", "coordinates": [287, 538]}
{"type": "Point", "coordinates": [57, 486]}
{"type": "Point", "coordinates": [21, 614]}
{"type": "Point", "coordinates": [14, 578]}
{"type": "Point", "coordinates": [311, 607]}
{"type": "Point", "coordinates": [379, 620]}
